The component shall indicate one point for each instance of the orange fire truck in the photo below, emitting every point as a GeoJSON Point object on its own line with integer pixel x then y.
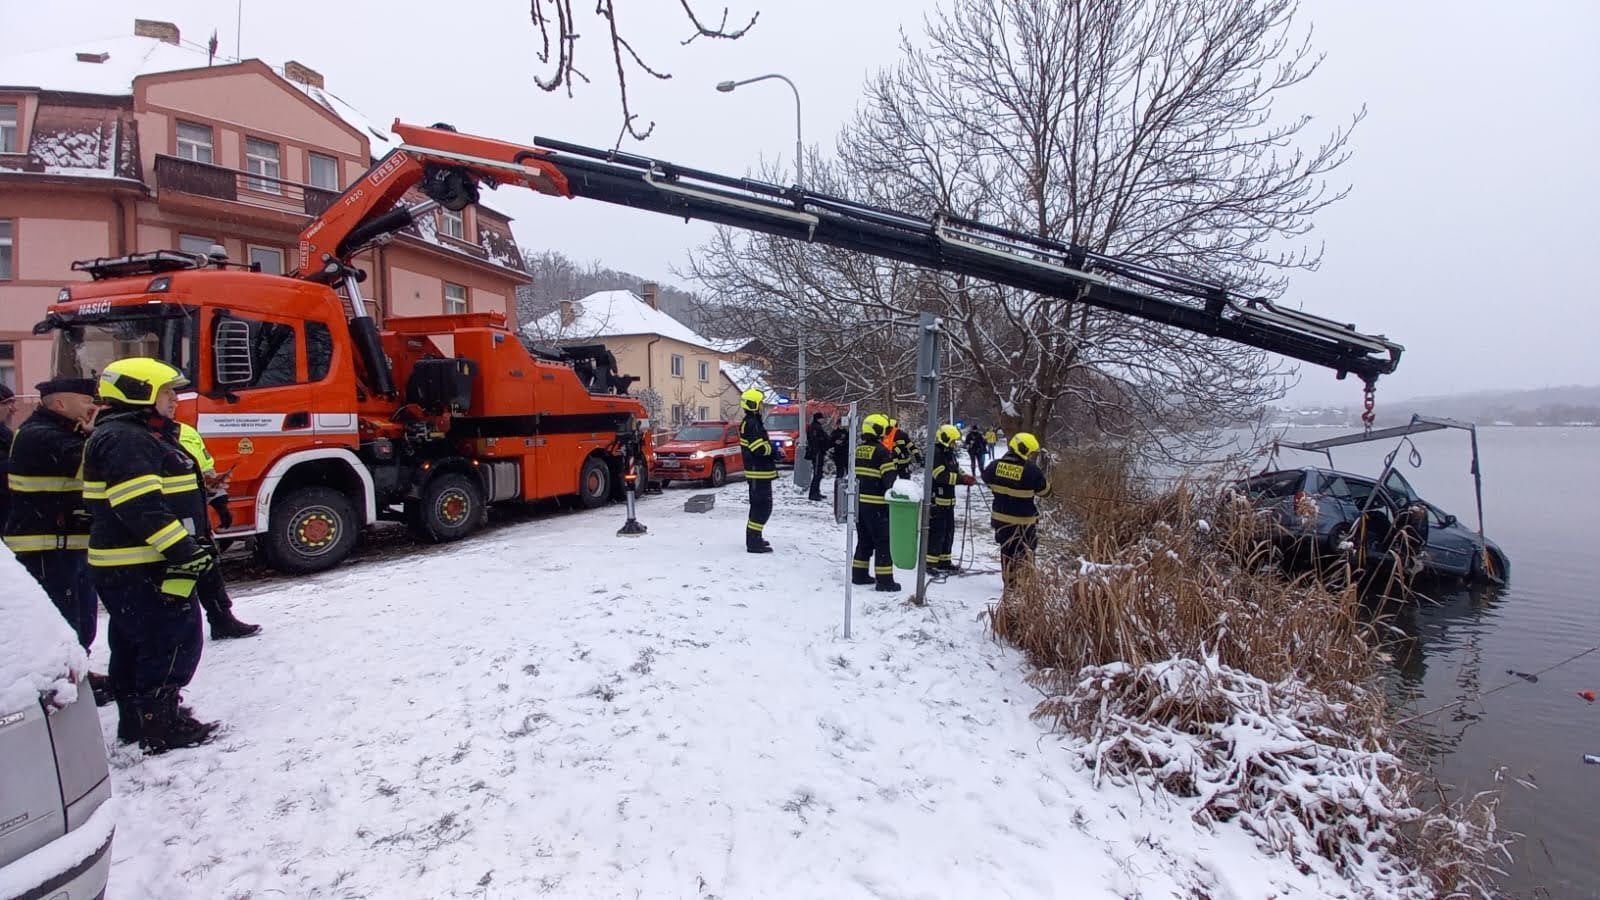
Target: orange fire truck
{"type": "Point", "coordinates": [328, 422]}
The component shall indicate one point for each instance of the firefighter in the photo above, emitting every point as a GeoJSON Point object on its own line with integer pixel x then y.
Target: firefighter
{"type": "Point", "coordinates": [47, 527]}
{"type": "Point", "coordinates": [942, 514]}
{"type": "Point", "coordinates": [760, 468]}
{"type": "Point", "coordinates": [212, 591]}
{"type": "Point", "coordinates": [817, 452]}
{"type": "Point", "coordinates": [1017, 482]}
{"type": "Point", "coordinates": [145, 498]}
{"type": "Point", "coordinates": [8, 404]}
{"type": "Point", "coordinates": [875, 474]}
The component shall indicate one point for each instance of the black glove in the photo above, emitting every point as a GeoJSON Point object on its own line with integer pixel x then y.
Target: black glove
{"type": "Point", "coordinates": [179, 580]}
{"type": "Point", "coordinates": [220, 504]}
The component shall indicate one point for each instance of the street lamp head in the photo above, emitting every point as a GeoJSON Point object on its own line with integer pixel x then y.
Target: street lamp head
{"type": "Point", "coordinates": [726, 86]}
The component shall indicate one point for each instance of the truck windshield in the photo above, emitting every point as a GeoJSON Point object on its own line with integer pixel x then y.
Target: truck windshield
{"type": "Point", "coordinates": [82, 350]}
{"type": "Point", "coordinates": [784, 421]}
{"type": "Point", "coordinates": [699, 433]}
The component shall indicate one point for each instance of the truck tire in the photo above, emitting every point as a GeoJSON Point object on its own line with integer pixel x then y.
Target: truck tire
{"type": "Point", "coordinates": [719, 474]}
{"type": "Point", "coordinates": [311, 529]}
{"type": "Point", "coordinates": [594, 483]}
{"type": "Point", "coordinates": [450, 508]}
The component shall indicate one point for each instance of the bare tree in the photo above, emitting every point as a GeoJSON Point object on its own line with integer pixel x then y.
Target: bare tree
{"type": "Point", "coordinates": [1145, 129]}
{"type": "Point", "coordinates": [559, 34]}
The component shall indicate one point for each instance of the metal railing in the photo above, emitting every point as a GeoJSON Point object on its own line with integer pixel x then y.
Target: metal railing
{"type": "Point", "coordinates": [221, 183]}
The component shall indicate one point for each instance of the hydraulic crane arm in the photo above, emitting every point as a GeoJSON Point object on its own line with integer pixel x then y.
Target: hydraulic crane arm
{"type": "Point", "coordinates": [448, 167]}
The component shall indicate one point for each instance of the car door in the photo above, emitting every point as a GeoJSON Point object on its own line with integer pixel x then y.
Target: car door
{"type": "Point", "coordinates": [730, 448]}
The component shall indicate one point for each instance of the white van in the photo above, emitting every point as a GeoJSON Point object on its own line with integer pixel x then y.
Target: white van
{"type": "Point", "coordinates": [56, 812]}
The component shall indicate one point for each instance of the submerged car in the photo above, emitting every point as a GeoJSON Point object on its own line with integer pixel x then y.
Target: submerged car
{"type": "Point", "coordinates": [1313, 510]}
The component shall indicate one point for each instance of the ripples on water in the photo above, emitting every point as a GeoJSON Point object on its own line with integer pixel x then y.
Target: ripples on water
{"type": "Point", "coordinates": [1542, 505]}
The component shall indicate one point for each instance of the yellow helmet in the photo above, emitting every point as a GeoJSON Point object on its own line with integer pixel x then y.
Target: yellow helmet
{"type": "Point", "coordinates": [947, 435]}
{"type": "Point", "coordinates": [137, 380]}
{"type": "Point", "coordinates": [751, 400]}
{"type": "Point", "coordinates": [1023, 444]}
{"type": "Point", "coordinates": [875, 425]}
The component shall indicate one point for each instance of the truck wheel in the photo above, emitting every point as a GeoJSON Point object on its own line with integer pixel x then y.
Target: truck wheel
{"type": "Point", "coordinates": [719, 474]}
{"type": "Point", "coordinates": [450, 508]}
{"type": "Point", "coordinates": [311, 529]}
{"type": "Point", "coordinates": [594, 483]}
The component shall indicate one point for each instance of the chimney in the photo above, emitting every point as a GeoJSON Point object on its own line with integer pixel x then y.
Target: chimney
{"type": "Point", "coordinates": [302, 73]}
{"type": "Point", "coordinates": [652, 293]}
{"type": "Point", "coordinates": [567, 316]}
{"type": "Point", "coordinates": [165, 32]}
{"type": "Point", "coordinates": [93, 57]}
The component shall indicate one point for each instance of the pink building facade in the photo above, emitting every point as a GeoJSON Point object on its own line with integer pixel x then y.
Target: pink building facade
{"type": "Point", "coordinates": [137, 144]}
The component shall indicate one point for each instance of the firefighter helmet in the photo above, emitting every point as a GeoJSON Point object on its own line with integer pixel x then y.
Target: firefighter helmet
{"type": "Point", "coordinates": [137, 380]}
{"type": "Point", "coordinates": [1023, 444]}
{"type": "Point", "coordinates": [875, 425]}
{"type": "Point", "coordinates": [947, 435]}
{"type": "Point", "coordinates": [751, 400]}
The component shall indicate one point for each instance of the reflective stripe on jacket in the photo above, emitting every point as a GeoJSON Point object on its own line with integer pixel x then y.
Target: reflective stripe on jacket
{"type": "Point", "coordinates": [946, 475]}
{"type": "Point", "coordinates": [875, 473]}
{"type": "Point", "coordinates": [760, 460]}
{"type": "Point", "coordinates": [1016, 484]}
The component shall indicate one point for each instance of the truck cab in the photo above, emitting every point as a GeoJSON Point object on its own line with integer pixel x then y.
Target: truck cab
{"type": "Point", "coordinates": [787, 428]}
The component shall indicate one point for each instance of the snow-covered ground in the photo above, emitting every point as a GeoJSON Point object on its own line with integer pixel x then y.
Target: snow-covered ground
{"type": "Point", "coordinates": [548, 709]}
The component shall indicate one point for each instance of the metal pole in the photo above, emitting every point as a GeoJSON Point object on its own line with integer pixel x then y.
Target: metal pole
{"type": "Point", "coordinates": [849, 479]}
{"type": "Point", "coordinates": [929, 332]}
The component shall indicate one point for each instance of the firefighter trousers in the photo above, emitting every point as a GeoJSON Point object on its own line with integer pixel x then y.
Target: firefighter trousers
{"type": "Point", "coordinates": [760, 511]}
{"type": "Point", "coordinates": [1017, 543]}
{"type": "Point", "coordinates": [941, 535]}
{"type": "Point", "coordinates": [872, 539]}
{"type": "Point", "coordinates": [64, 575]}
{"type": "Point", "coordinates": [212, 592]}
{"type": "Point", "coordinates": [155, 639]}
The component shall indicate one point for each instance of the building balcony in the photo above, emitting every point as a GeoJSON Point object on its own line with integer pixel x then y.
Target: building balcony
{"type": "Point", "coordinates": [184, 185]}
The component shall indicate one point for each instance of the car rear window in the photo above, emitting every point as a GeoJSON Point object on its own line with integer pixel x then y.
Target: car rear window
{"type": "Point", "coordinates": [1273, 485]}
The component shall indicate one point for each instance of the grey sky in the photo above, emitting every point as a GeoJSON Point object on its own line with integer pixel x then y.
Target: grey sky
{"type": "Point", "coordinates": [1476, 199]}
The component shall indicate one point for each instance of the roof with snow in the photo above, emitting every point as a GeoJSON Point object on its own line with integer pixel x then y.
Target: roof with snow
{"type": "Point", "coordinates": [746, 377]}
{"type": "Point", "coordinates": [729, 345]}
{"type": "Point", "coordinates": [613, 314]}
{"type": "Point", "coordinates": [126, 58]}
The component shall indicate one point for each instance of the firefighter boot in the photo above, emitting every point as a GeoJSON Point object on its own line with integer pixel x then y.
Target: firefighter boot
{"type": "Point", "coordinates": [225, 627]}
{"type": "Point", "coordinates": [887, 584]}
{"type": "Point", "coordinates": [162, 728]}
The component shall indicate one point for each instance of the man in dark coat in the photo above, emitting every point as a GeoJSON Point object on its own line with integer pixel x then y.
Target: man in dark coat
{"type": "Point", "coordinates": [816, 451]}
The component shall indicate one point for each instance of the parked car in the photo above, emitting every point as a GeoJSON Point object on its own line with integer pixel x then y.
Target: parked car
{"type": "Point", "coordinates": [1313, 510]}
{"type": "Point", "coordinates": [56, 821]}
{"type": "Point", "coordinates": [700, 451]}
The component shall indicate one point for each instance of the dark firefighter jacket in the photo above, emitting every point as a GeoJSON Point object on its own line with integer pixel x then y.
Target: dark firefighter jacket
{"type": "Point", "coordinates": [143, 490]}
{"type": "Point", "coordinates": [5, 464]}
{"type": "Point", "coordinates": [839, 445]}
{"type": "Point", "coordinates": [904, 452]}
{"type": "Point", "coordinates": [875, 473]}
{"type": "Point", "coordinates": [760, 459]}
{"type": "Point", "coordinates": [45, 478]}
{"type": "Point", "coordinates": [946, 475]}
{"type": "Point", "coordinates": [816, 442]}
{"type": "Point", "coordinates": [1016, 483]}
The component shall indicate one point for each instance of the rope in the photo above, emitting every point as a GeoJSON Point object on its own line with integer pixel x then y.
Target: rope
{"type": "Point", "coordinates": [1494, 690]}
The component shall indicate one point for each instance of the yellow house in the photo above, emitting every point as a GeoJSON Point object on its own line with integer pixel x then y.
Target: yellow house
{"type": "Point", "coordinates": [680, 375]}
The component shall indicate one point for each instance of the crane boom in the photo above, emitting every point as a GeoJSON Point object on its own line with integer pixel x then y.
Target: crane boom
{"type": "Point", "coordinates": [448, 167]}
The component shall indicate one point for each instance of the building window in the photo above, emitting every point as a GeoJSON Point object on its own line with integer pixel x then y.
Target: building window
{"type": "Point", "coordinates": [677, 414]}
{"type": "Point", "coordinates": [5, 250]}
{"type": "Point", "coordinates": [8, 366]}
{"type": "Point", "coordinates": [455, 299]}
{"type": "Point", "coordinates": [194, 243]}
{"type": "Point", "coordinates": [705, 413]}
{"type": "Point", "coordinates": [261, 158]}
{"type": "Point", "coordinates": [705, 370]}
{"type": "Point", "coordinates": [269, 258]}
{"type": "Point", "coordinates": [10, 135]}
{"type": "Point", "coordinates": [194, 142]}
{"type": "Point", "coordinates": [455, 225]}
{"type": "Point", "coordinates": [324, 171]}
{"type": "Point", "coordinates": [677, 365]}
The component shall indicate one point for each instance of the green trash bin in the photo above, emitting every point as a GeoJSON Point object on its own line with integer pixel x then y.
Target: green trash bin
{"type": "Point", "coordinates": [903, 525]}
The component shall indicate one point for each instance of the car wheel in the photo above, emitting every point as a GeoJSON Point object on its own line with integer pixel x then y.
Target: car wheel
{"type": "Point", "coordinates": [450, 508]}
{"type": "Point", "coordinates": [719, 474]}
{"type": "Point", "coordinates": [594, 483]}
{"type": "Point", "coordinates": [310, 529]}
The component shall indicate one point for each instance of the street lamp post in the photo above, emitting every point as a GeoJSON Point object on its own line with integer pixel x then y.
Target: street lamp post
{"type": "Point", "coordinates": [799, 178]}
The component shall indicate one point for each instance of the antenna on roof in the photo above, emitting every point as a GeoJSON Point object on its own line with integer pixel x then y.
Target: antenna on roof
{"type": "Point", "coordinates": [238, 31]}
